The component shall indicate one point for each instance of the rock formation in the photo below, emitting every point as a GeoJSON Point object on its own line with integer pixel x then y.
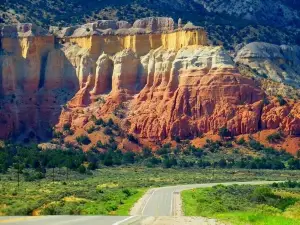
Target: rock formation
{"type": "Point", "coordinates": [278, 63]}
{"type": "Point", "coordinates": [170, 81]}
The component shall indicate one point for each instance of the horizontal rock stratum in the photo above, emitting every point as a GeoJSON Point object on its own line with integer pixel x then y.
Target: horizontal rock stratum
{"type": "Point", "coordinates": [166, 77]}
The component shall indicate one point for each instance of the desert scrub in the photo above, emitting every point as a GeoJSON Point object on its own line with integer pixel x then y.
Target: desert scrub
{"type": "Point", "coordinates": [109, 191]}
{"type": "Point", "coordinates": [243, 204]}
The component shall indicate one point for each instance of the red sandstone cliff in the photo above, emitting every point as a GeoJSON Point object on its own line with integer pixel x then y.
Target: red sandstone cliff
{"type": "Point", "coordinates": [168, 84]}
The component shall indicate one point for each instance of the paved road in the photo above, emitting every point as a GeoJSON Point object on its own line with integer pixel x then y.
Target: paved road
{"type": "Point", "coordinates": [159, 202]}
{"type": "Point", "coordinates": [65, 220]}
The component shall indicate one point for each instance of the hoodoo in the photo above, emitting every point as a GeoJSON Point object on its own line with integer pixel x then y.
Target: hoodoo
{"type": "Point", "coordinates": [171, 81]}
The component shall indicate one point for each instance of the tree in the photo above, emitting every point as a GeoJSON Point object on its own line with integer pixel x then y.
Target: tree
{"type": "Point", "coordinates": [241, 141]}
{"type": "Point", "coordinates": [128, 157]}
{"type": "Point", "coordinates": [132, 138]}
{"type": "Point", "coordinates": [107, 131]}
{"type": "Point", "coordinates": [177, 139]}
{"type": "Point", "coordinates": [222, 163]}
{"type": "Point", "coordinates": [281, 100]}
{"type": "Point", "coordinates": [255, 145]}
{"type": "Point", "coordinates": [19, 167]}
{"type": "Point", "coordinates": [92, 166]}
{"type": "Point", "coordinates": [110, 122]}
{"type": "Point", "coordinates": [67, 127]}
{"type": "Point", "coordinates": [81, 169]}
{"type": "Point", "coordinates": [275, 137]}
{"type": "Point", "coordinates": [224, 132]}
{"type": "Point", "coordinates": [146, 152]}
{"type": "Point", "coordinates": [108, 159]}
{"type": "Point", "coordinates": [83, 139]}
{"type": "Point", "coordinates": [298, 154]}
{"type": "Point", "coordinates": [99, 122]}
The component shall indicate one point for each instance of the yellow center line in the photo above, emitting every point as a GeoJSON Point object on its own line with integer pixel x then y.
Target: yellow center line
{"type": "Point", "coordinates": [11, 220]}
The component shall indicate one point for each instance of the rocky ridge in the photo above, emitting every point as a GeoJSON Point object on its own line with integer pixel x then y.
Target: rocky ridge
{"type": "Point", "coordinates": [167, 81]}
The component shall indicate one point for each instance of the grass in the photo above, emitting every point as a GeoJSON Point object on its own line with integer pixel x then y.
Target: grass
{"type": "Point", "coordinates": [245, 204]}
{"type": "Point", "coordinates": [124, 209]}
{"type": "Point", "coordinates": [246, 218]}
{"type": "Point", "coordinates": [108, 191]}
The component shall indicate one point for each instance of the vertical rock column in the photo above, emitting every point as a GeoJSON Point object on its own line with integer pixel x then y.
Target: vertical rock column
{"type": "Point", "coordinates": [103, 79]}
{"type": "Point", "coordinates": [125, 72]}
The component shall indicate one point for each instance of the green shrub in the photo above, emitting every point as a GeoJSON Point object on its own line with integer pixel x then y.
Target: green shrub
{"type": "Point", "coordinates": [81, 169]}
{"type": "Point", "coordinates": [255, 145]}
{"type": "Point", "coordinates": [241, 141]}
{"type": "Point", "coordinates": [281, 100]}
{"type": "Point", "coordinates": [99, 122]}
{"type": "Point", "coordinates": [274, 138]}
{"type": "Point", "coordinates": [67, 127]}
{"type": "Point", "coordinates": [57, 134]}
{"type": "Point", "coordinates": [91, 129]}
{"type": "Point", "coordinates": [83, 139]}
{"type": "Point", "coordinates": [224, 132]}
{"type": "Point", "coordinates": [108, 131]}
{"type": "Point", "coordinates": [146, 152]}
{"type": "Point", "coordinates": [261, 194]}
{"type": "Point", "coordinates": [110, 123]}
{"type": "Point", "coordinates": [132, 138]}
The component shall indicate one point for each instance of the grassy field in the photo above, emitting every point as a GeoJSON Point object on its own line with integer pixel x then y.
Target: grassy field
{"type": "Point", "coordinates": [108, 191]}
{"type": "Point", "coordinates": [260, 205]}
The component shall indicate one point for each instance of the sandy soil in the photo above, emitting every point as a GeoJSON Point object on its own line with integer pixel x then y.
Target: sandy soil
{"type": "Point", "coordinates": [179, 221]}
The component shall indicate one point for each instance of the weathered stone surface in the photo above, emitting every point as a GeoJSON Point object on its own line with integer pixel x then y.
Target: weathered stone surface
{"type": "Point", "coordinates": [278, 63]}
{"type": "Point", "coordinates": [169, 83]}
{"type": "Point", "coordinates": [22, 30]}
{"type": "Point", "coordinates": [155, 24]}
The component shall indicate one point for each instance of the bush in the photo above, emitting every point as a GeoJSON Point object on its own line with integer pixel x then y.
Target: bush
{"type": "Point", "coordinates": [91, 129]}
{"type": "Point", "coordinates": [108, 131]}
{"type": "Point", "coordinates": [261, 194]}
{"type": "Point", "coordinates": [241, 141]}
{"type": "Point", "coordinates": [177, 139]}
{"type": "Point", "coordinates": [281, 100]}
{"type": "Point", "coordinates": [146, 152]}
{"type": "Point", "coordinates": [67, 127]}
{"type": "Point", "coordinates": [204, 164]}
{"type": "Point", "coordinates": [266, 101]}
{"type": "Point", "coordinates": [110, 122]}
{"type": "Point", "coordinates": [255, 145]}
{"type": "Point", "coordinates": [93, 166]}
{"type": "Point", "coordinates": [222, 163]}
{"type": "Point", "coordinates": [128, 157]}
{"type": "Point", "coordinates": [163, 151]}
{"type": "Point", "coordinates": [57, 134]}
{"type": "Point", "coordinates": [81, 169]}
{"type": "Point", "coordinates": [99, 122]}
{"type": "Point", "coordinates": [224, 132]}
{"type": "Point", "coordinates": [100, 145]}
{"type": "Point", "coordinates": [132, 138]}
{"type": "Point", "coordinates": [83, 139]}
{"type": "Point", "coordinates": [274, 138]}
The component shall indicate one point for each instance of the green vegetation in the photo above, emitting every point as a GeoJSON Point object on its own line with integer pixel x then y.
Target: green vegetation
{"type": "Point", "coordinates": [276, 137]}
{"type": "Point", "coordinates": [223, 28]}
{"type": "Point", "coordinates": [225, 133]}
{"type": "Point", "coordinates": [281, 100]}
{"type": "Point", "coordinates": [83, 139]}
{"type": "Point", "coordinates": [110, 190]}
{"type": "Point", "coordinates": [246, 204]}
{"type": "Point", "coordinates": [68, 180]}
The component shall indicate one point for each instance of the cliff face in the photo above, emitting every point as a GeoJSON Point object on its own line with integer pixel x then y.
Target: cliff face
{"type": "Point", "coordinates": [278, 63]}
{"type": "Point", "coordinates": [167, 81]}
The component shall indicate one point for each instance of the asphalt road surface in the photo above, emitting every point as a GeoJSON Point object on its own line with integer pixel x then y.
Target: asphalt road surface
{"type": "Point", "coordinates": [159, 202]}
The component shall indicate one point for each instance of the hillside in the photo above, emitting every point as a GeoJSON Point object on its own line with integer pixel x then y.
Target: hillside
{"type": "Point", "coordinates": [153, 80]}
{"type": "Point", "coordinates": [229, 22]}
